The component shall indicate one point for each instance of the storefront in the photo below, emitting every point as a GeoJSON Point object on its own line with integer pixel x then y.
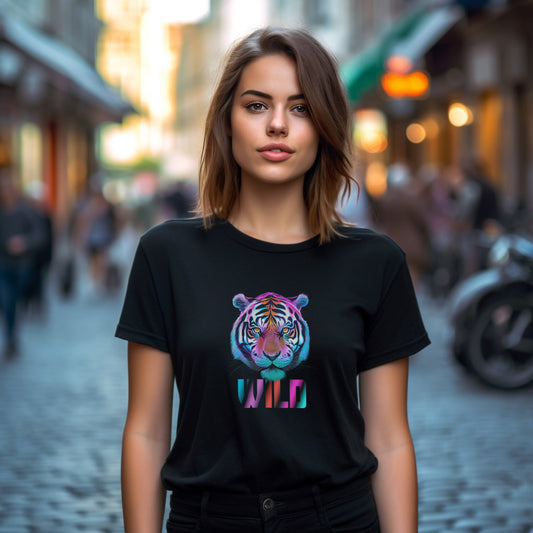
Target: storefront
{"type": "Point", "coordinates": [477, 99]}
{"type": "Point", "coordinates": [51, 102]}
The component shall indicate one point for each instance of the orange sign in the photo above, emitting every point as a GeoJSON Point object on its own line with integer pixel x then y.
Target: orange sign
{"type": "Point", "coordinates": [411, 85]}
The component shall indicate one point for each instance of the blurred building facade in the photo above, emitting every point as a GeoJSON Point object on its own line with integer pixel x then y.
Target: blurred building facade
{"type": "Point", "coordinates": [477, 57]}
{"type": "Point", "coordinates": [52, 100]}
{"type": "Point", "coordinates": [138, 52]}
{"type": "Point", "coordinates": [470, 61]}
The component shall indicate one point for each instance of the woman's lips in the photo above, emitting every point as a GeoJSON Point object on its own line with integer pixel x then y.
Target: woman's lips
{"type": "Point", "coordinates": [276, 152]}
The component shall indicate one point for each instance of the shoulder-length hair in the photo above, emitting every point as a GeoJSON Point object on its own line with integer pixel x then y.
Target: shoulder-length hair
{"type": "Point", "coordinates": [317, 72]}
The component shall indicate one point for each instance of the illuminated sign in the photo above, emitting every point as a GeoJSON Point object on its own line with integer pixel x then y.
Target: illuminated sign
{"type": "Point", "coordinates": [413, 85]}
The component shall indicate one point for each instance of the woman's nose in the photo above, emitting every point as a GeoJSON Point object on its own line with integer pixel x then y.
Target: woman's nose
{"type": "Point", "coordinates": [277, 124]}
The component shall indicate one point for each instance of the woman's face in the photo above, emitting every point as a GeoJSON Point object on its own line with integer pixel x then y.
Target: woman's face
{"type": "Point", "coordinates": [273, 137]}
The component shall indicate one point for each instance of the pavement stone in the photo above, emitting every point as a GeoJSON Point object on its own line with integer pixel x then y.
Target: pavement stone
{"type": "Point", "coordinates": [63, 403]}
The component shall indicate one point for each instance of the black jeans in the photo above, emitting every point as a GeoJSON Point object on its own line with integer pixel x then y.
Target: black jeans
{"type": "Point", "coordinates": [311, 510]}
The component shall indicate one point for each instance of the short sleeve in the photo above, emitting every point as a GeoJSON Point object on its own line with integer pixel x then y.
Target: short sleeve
{"type": "Point", "coordinates": [142, 319]}
{"type": "Point", "coordinates": [396, 330]}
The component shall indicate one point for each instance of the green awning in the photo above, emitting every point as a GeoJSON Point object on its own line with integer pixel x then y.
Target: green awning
{"type": "Point", "coordinates": [363, 71]}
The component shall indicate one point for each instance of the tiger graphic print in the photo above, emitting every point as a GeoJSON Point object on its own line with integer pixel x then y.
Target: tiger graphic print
{"type": "Point", "coordinates": [270, 334]}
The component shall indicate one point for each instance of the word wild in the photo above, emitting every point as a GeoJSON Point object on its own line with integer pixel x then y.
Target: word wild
{"type": "Point", "coordinates": [255, 393]}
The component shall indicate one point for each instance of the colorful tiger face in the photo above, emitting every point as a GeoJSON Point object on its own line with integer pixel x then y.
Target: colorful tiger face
{"type": "Point", "coordinates": [270, 335]}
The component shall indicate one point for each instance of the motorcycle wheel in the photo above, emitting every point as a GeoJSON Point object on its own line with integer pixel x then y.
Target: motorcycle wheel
{"type": "Point", "coordinates": [501, 343]}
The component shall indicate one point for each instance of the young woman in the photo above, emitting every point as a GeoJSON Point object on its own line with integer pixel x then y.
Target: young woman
{"type": "Point", "coordinates": [264, 311]}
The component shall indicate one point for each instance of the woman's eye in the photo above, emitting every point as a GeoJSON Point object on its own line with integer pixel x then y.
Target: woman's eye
{"type": "Point", "coordinates": [256, 106]}
{"type": "Point", "coordinates": [301, 109]}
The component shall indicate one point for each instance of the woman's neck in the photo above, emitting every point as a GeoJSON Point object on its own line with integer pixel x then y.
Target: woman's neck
{"type": "Point", "coordinates": [272, 213]}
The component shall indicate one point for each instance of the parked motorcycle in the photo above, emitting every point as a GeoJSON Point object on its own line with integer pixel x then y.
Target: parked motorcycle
{"type": "Point", "coordinates": [492, 316]}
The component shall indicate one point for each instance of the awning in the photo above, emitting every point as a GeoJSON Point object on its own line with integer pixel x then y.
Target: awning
{"type": "Point", "coordinates": [362, 72]}
{"type": "Point", "coordinates": [54, 56]}
{"type": "Point", "coordinates": [412, 36]}
{"type": "Point", "coordinates": [435, 24]}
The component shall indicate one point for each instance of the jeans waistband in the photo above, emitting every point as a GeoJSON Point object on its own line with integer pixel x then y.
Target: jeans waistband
{"type": "Point", "coordinates": [255, 505]}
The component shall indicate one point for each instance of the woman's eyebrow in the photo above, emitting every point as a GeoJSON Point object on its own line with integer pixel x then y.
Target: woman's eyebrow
{"type": "Point", "coordinates": [269, 97]}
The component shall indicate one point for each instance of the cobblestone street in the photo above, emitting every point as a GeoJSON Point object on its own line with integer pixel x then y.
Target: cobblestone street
{"type": "Point", "coordinates": [62, 408]}
{"type": "Point", "coordinates": [473, 443]}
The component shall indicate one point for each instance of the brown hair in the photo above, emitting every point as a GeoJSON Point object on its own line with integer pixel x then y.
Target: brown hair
{"type": "Point", "coordinates": [328, 108]}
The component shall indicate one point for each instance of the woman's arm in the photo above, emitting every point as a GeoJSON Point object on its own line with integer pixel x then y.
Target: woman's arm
{"type": "Point", "coordinates": [383, 395]}
{"type": "Point", "coordinates": [146, 439]}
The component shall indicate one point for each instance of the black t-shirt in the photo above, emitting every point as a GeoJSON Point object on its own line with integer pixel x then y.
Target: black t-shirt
{"type": "Point", "coordinates": [266, 341]}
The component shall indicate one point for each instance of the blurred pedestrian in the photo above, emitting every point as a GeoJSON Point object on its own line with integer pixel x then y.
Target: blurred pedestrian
{"type": "Point", "coordinates": [21, 236]}
{"type": "Point", "coordinates": [175, 201]}
{"type": "Point", "coordinates": [264, 311]}
{"type": "Point", "coordinates": [487, 208]}
{"type": "Point", "coordinates": [95, 227]}
{"type": "Point", "coordinates": [42, 256]}
{"type": "Point", "coordinates": [464, 195]}
{"type": "Point", "coordinates": [400, 215]}
{"type": "Point", "coordinates": [487, 220]}
{"type": "Point", "coordinates": [122, 251]}
{"type": "Point", "coordinates": [178, 201]}
{"type": "Point", "coordinates": [436, 202]}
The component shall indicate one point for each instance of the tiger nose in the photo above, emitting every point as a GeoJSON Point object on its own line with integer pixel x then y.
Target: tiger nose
{"type": "Point", "coordinates": [272, 349]}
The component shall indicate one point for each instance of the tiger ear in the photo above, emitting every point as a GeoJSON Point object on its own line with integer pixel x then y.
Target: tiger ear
{"type": "Point", "coordinates": [301, 301]}
{"type": "Point", "coordinates": [240, 302]}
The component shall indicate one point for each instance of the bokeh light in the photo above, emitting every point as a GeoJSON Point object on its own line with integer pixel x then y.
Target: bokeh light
{"type": "Point", "coordinates": [370, 130]}
{"type": "Point", "coordinates": [376, 179]}
{"type": "Point", "coordinates": [415, 132]}
{"type": "Point", "coordinates": [399, 64]}
{"type": "Point", "coordinates": [460, 115]}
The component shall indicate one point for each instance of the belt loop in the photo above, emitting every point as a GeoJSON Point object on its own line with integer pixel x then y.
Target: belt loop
{"type": "Point", "coordinates": [203, 509]}
{"type": "Point", "coordinates": [320, 507]}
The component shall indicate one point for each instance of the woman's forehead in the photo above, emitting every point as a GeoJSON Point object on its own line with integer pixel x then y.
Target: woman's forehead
{"type": "Point", "coordinates": [273, 75]}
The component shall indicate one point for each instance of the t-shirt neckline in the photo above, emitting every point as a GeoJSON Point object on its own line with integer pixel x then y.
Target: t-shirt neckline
{"type": "Point", "coordinates": [266, 246]}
